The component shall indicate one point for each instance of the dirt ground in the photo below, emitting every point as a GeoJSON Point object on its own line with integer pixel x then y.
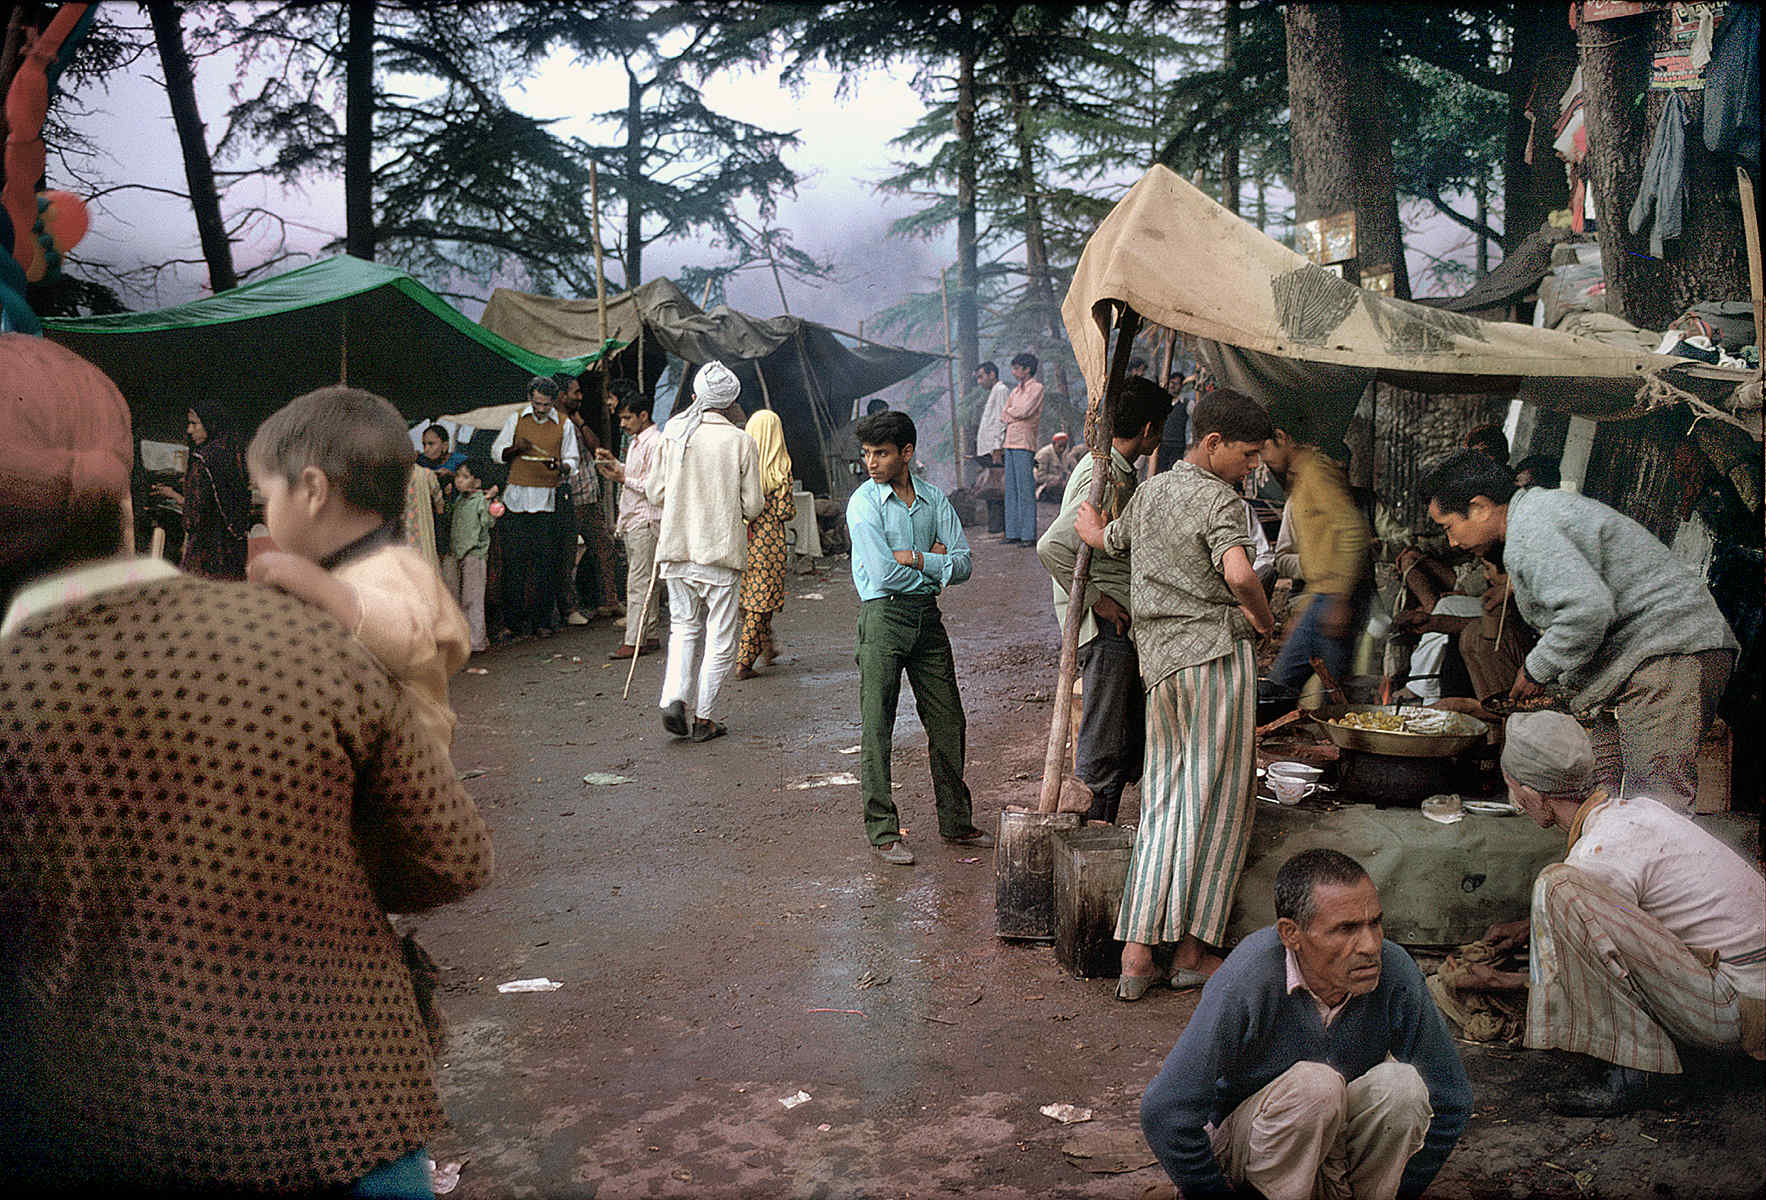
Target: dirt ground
{"type": "Point", "coordinates": [711, 923]}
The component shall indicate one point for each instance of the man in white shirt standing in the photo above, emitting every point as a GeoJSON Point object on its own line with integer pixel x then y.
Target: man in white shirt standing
{"type": "Point", "coordinates": [707, 483]}
{"type": "Point", "coordinates": [639, 521]}
{"type": "Point", "coordinates": [541, 451]}
{"type": "Point", "coordinates": [1650, 935]}
{"type": "Point", "coordinates": [990, 439]}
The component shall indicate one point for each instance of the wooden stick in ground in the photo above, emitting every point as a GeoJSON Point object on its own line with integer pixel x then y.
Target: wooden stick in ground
{"type": "Point", "coordinates": [950, 382]}
{"type": "Point", "coordinates": [1099, 418]}
{"type": "Point", "coordinates": [600, 275]}
{"type": "Point", "coordinates": [638, 646]}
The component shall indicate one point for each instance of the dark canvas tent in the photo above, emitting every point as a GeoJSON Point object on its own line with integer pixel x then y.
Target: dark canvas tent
{"type": "Point", "coordinates": [798, 368]}
{"type": "Point", "coordinates": [341, 320]}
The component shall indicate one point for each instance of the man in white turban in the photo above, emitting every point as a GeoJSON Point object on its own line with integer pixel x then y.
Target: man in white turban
{"type": "Point", "coordinates": [708, 486]}
{"type": "Point", "coordinates": [1650, 935]}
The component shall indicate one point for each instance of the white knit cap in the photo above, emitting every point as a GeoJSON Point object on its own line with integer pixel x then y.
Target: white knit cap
{"type": "Point", "coordinates": [1549, 752]}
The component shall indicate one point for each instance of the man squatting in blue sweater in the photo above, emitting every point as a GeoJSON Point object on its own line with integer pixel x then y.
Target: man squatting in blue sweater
{"type": "Point", "coordinates": [1317, 1063]}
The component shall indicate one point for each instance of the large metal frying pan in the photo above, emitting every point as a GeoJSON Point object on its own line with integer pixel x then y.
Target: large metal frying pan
{"type": "Point", "coordinates": [1466, 733]}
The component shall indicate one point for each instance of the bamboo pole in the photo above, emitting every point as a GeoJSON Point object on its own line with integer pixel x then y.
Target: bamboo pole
{"type": "Point", "coordinates": [766, 397]}
{"type": "Point", "coordinates": [950, 380]}
{"type": "Point", "coordinates": [600, 273]}
{"type": "Point", "coordinates": [1099, 421]}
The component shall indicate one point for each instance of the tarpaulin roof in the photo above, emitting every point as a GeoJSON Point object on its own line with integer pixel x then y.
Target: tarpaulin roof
{"type": "Point", "coordinates": [340, 320]}
{"type": "Point", "coordinates": [810, 376]}
{"type": "Point", "coordinates": [1280, 324]}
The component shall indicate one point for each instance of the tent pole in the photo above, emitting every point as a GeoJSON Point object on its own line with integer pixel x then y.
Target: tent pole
{"type": "Point", "coordinates": [343, 343]}
{"type": "Point", "coordinates": [1099, 421]}
{"type": "Point", "coordinates": [600, 275]}
{"type": "Point", "coordinates": [766, 397]}
{"type": "Point", "coordinates": [815, 410]}
{"type": "Point", "coordinates": [950, 380]}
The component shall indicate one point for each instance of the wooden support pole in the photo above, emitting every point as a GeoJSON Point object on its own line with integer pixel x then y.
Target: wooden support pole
{"type": "Point", "coordinates": [950, 380]}
{"type": "Point", "coordinates": [600, 273]}
{"type": "Point", "coordinates": [766, 397]}
{"type": "Point", "coordinates": [1099, 421]}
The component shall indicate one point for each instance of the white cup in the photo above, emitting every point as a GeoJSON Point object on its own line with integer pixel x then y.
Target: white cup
{"type": "Point", "coordinates": [1291, 791]}
{"type": "Point", "coordinates": [1305, 772]}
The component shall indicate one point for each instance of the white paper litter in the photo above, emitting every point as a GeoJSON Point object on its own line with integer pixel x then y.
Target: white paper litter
{"type": "Point", "coordinates": [1066, 1114]}
{"type": "Point", "coordinates": [812, 596]}
{"type": "Point", "coordinates": [444, 1177]}
{"type": "Point", "coordinates": [603, 779]}
{"type": "Point", "coordinates": [852, 749]}
{"type": "Point", "coordinates": [833, 779]}
{"type": "Point", "coordinates": [794, 1101]}
{"type": "Point", "coordinates": [542, 984]}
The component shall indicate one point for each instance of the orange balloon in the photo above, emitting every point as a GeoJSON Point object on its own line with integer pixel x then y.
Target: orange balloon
{"type": "Point", "coordinates": [64, 218]}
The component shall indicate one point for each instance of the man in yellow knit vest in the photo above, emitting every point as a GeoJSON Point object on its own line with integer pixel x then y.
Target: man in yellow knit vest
{"type": "Point", "coordinates": [541, 450]}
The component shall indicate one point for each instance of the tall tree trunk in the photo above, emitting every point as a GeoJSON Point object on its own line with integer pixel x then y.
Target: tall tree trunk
{"type": "Point", "coordinates": [634, 181]}
{"type": "Point", "coordinates": [1542, 59]}
{"type": "Point", "coordinates": [199, 171]}
{"type": "Point", "coordinates": [968, 254]}
{"type": "Point", "coordinates": [358, 131]}
{"type": "Point", "coordinates": [1379, 233]}
{"type": "Point", "coordinates": [1615, 72]}
{"type": "Point", "coordinates": [1320, 124]}
{"type": "Point", "coordinates": [1229, 159]}
{"type": "Point", "coordinates": [1342, 151]}
{"type": "Point", "coordinates": [1483, 220]}
{"type": "Point", "coordinates": [1036, 253]}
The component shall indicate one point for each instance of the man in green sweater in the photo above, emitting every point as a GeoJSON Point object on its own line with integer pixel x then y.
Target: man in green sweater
{"type": "Point", "coordinates": [1317, 1063]}
{"type": "Point", "coordinates": [1628, 629]}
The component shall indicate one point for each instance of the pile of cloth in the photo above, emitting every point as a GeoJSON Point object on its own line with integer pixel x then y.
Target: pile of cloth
{"type": "Point", "coordinates": [1476, 1014]}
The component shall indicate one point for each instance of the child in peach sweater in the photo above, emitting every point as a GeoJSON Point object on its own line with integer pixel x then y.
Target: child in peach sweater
{"type": "Point", "coordinates": [332, 466]}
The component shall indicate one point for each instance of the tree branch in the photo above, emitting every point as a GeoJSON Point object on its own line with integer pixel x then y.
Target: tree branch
{"type": "Point", "coordinates": [1470, 223]}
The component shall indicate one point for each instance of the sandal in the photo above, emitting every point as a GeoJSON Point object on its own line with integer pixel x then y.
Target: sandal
{"type": "Point", "coordinates": [704, 731]}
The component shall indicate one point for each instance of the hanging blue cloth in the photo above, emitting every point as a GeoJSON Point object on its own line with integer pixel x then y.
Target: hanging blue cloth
{"type": "Point", "coordinates": [1732, 87]}
{"type": "Point", "coordinates": [1664, 178]}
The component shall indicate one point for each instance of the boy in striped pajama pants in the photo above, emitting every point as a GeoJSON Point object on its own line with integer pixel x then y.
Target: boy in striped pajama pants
{"type": "Point", "coordinates": [1194, 603]}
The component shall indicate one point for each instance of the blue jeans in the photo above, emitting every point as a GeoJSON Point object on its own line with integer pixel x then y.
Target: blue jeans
{"type": "Point", "coordinates": [1294, 664]}
{"type": "Point", "coordinates": [404, 1178]}
{"type": "Point", "coordinates": [1020, 496]}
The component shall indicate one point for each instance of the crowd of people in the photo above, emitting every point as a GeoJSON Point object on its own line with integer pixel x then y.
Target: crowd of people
{"type": "Point", "coordinates": [274, 756]}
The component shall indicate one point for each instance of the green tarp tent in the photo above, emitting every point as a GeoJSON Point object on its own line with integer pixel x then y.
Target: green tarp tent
{"type": "Point", "coordinates": [340, 320]}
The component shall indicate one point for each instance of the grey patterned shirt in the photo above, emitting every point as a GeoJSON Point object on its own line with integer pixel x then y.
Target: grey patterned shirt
{"type": "Point", "coordinates": [1179, 526]}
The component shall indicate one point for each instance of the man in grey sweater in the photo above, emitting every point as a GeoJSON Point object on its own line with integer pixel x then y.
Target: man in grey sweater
{"type": "Point", "coordinates": [1627, 628]}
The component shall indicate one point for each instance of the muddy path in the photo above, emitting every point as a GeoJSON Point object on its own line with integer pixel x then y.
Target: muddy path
{"type": "Point", "coordinates": [711, 922]}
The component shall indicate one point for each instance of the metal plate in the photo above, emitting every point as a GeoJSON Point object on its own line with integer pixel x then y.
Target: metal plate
{"type": "Point", "coordinates": [1404, 745]}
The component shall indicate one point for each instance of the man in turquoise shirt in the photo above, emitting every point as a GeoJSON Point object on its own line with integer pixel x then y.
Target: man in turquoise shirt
{"type": "Point", "coordinates": [907, 546]}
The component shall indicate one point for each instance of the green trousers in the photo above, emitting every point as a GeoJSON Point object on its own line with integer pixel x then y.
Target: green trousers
{"type": "Point", "coordinates": [897, 633]}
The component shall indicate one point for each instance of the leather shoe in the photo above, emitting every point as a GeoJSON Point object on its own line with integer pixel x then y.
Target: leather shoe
{"type": "Point", "coordinates": [1622, 1090]}
{"type": "Point", "coordinates": [625, 650]}
{"type": "Point", "coordinates": [674, 718]}
{"type": "Point", "coordinates": [896, 852]}
{"type": "Point", "coordinates": [979, 839]}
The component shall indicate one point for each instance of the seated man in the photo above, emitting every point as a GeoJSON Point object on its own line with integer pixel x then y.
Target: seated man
{"type": "Point", "coordinates": [1052, 466]}
{"type": "Point", "coordinates": [1317, 1064]}
{"type": "Point", "coordinates": [1650, 933]}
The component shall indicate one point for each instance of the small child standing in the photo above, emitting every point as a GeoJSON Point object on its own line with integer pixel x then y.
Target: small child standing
{"type": "Point", "coordinates": [332, 466]}
{"type": "Point", "coordinates": [470, 539]}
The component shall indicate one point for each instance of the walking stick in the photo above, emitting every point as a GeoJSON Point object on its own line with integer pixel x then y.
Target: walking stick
{"type": "Point", "coordinates": [638, 646]}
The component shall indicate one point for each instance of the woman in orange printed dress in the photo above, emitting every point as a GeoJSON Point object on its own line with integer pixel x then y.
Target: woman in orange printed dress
{"type": "Point", "coordinates": [763, 580]}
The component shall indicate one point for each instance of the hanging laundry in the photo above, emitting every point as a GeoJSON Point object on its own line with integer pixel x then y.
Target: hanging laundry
{"type": "Point", "coordinates": [1732, 87]}
{"type": "Point", "coordinates": [1664, 179]}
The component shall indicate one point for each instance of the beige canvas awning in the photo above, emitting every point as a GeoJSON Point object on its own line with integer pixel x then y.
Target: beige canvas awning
{"type": "Point", "coordinates": [1281, 322]}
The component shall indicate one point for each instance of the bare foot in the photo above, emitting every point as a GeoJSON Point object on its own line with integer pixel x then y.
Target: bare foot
{"type": "Point", "coordinates": [1137, 960]}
